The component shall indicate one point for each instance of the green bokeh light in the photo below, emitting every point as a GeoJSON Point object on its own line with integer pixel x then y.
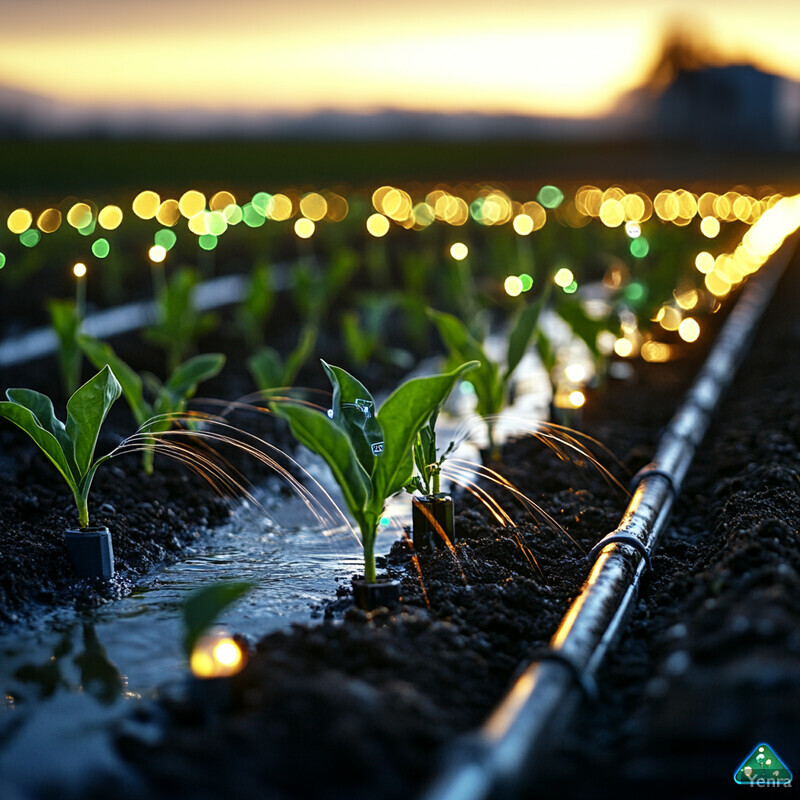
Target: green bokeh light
{"type": "Point", "coordinates": [101, 248]}
{"type": "Point", "coordinates": [166, 238]}
{"type": "Point", "coordinates": [30, 238]}
{"type": "Point", "coordinates": [550, 196]}
{"type": "Point", "coordinates": [260, 202]}
{"type": "Point", "coordinates": [640, 247]}
{"type": "Point", "coordinates": [216, 223]}
{"type": "Point", "coordinates": [572, 288]}
{"type": "Point", "coordinates": [527, 282]}
{"type": "Point", "coordinates": [2, 260]}
{"type": "Point", "coordinates": [253, 218]}
{"type": "Point", "coordinates": [476, 209]}
{"type": "Point", "coordinates": [233, 214]}
{"type": "Point", "coordinates": [635, 292]}
{"type": "Point", "coordinates": [207, 241]}
{"type": "Point", "coordinates": [88, 230]}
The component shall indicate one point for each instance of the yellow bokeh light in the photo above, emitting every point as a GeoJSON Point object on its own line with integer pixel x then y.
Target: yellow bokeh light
{"type": "Point", "coordinates": [536, 212]}
{"type": "Point", "coordinates": [110, 217]}
{"type": "Point", "coordinates": [49, 220]}
{"type": "Point", "coordinates": [612, 213]}
{"type": "Point", "coordinates": [513, 286]}
{"type": "Point", "coordinates": [304, 228]}
{"type": "Point", "coordinates": [377, 225]}
{"type": "Point", "coordinates": [192, 203]}
{"type": "Point", "coordinates": [523, 224]}
{"type": "Point", "coordinates": [221, 200]}
{"type": "Point", "coordinates": [19, 220]}
{"type": "Point", "coordinates": [623, 348]}
{"type": "Point", "coordinates": [704, 262]}
{"type": "Point", "coordinates": [80, 215]}
{"type": "Point", "coordinates": [575, 373]}
{"type": "Point", "coordinates": [337, 208]}
{"type": "Point", "coordinates": [670, 319]}
{"type": "Point", "coordinates": [197, 223]}
{"type": "Point", "coordinates": [168, 213]}
{"type": "Point", "coordinates": [710, 227]}
{"type": "Point", "coordinates": [656, 352]}
{"type": "Point", "coordinates": [79, 270]}
{"type": "Point", "coordinates": [689, 330]}
{"type": "Point", "coordinates": [216, 655]}
{"type": "Point", "coordinates": [563, 277]}
{"type": "Point", "coordinates": [577, 399]}
{"type": "Point", "coordinates": [157, 253]}
{"type": "Point", "coordinates": [145, 204]}
{"type": "Point", "coordinates": [279, 208]}
{"type": "Point", "coordinates": [313, 206]}
{"type": "Point", "coordinates": [717, 284]}
{"type": "Point", "coordinates": [686, 299]}
{"type": "Point", "coordinates": [459, 251]}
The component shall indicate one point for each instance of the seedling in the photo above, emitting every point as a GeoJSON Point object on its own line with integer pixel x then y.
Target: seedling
{"type": "Point", "coordinates": [256, 306]}
{"type": "Point", "coordinates": [180, 325]}
{"type": "Point", "coordinates": [69, 447]}
{"type": "Point", "coordinates": [369, 453]}
{"type": "Point", "coordinates": [169, 398]}
{"type": "Point", "coordinates": [66, 319]}
{"type": "Point", "coordinates": [270, 371]}
{"type": "Point", "coordinates": [490, 381]}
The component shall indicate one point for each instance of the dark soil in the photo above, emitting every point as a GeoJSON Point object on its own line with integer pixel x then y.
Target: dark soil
{"type": "Point", "coordinates": [361, 704]}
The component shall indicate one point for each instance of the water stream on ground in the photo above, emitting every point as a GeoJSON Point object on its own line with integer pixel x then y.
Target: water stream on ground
{"type": "Point", "coordinates": [66, 676]}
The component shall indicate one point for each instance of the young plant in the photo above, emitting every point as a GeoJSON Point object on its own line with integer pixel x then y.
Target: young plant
{"type": "Point", "coordinates": [256, 306]}
{"type": "Point", "coordinates": [490, 380]}
{"type": "Point", "coordinates": [364, 332]}
{"type": "Point", "coordinates": [369, 453]}
{"type": "Point", "coordinates": [70, 447]}
{"type": "Point", "coordinates": [168, 398]}
{"type": "Point", "coordinates": [65, 318]}
{"type": "Point", "coordinates": [270, 371]}
{"type": "Point", "coordinates": [179, 324]}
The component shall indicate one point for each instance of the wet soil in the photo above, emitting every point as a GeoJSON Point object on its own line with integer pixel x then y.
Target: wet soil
{"type": "Point", "coordinates": [362, 703]}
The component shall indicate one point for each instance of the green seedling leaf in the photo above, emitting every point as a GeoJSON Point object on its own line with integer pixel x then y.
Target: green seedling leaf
{"type": "Point", "coordinates": [266, 368]}
{"type": "Point", "coordinates": [24, 408]}
{"type": "Point", "coordinates": [521, 333]}
{"type": "Point", "coordinates": [353, 408]}
{"type": "Point", "coordinates": [401, 417]}
{"type": "Point", "coordinates": [86, 412]}
{"type": "Point", "coordinates": [69, 447]}
{"type": "Point", "coordinates": [66, 321]}
{"type": "Point", "coordinates": [100, 354]}
{"type": "Point", "coordinates": [204, 606]}
{"type": "Point", "coordinates": [182, 384]}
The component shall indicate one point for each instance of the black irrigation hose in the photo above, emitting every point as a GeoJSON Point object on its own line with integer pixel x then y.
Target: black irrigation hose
{"type": "Point", "coordinates": [495, 759]}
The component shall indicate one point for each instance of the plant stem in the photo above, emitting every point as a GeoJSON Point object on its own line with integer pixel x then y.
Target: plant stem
{"type": "Point", "coordinates": [83, 511]}
{"type": "Point", "coordinates": [369, 557]}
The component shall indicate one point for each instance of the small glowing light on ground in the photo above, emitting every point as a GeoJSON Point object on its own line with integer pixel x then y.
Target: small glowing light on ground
{"type": "Point", "coordinates": [79, 270]}
{"type": "Point", "coordinates": [157, 253]}
{"type": "Point", "coordinates": [689, 330]}
{"type": "Point", "coordinates": [304, 228]}
{"type": "Point", "coordinates": [513, 286]}
{"type": "Point", "coordinates": [216, 655]}
{"type": "Point", "coordinates": [459, 251]}
{"type": "Point", "coordinates": [563, 277]}
{"type": "Point", "coordinates": [623, 348]}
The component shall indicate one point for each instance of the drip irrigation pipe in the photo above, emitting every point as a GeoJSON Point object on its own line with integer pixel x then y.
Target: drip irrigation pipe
{"type": "Point", "coordinates": [214, 293]}
{"type": "Point", "coordinates": [499, 757]}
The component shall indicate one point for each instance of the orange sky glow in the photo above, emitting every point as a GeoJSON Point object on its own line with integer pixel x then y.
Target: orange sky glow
{"type": "Point", "coordinates": [571, 58]}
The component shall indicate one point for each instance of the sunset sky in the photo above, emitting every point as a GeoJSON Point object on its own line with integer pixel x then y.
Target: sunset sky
{"type": "Point", "coordinates": [567, 57]}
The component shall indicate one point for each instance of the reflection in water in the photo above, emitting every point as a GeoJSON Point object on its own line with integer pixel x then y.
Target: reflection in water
{"type": "Point", "coordinates": [97, 675]}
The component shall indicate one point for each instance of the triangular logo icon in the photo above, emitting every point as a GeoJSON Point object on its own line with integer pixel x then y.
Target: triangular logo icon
{"type": "Point", "coordinates": [763, 767]}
